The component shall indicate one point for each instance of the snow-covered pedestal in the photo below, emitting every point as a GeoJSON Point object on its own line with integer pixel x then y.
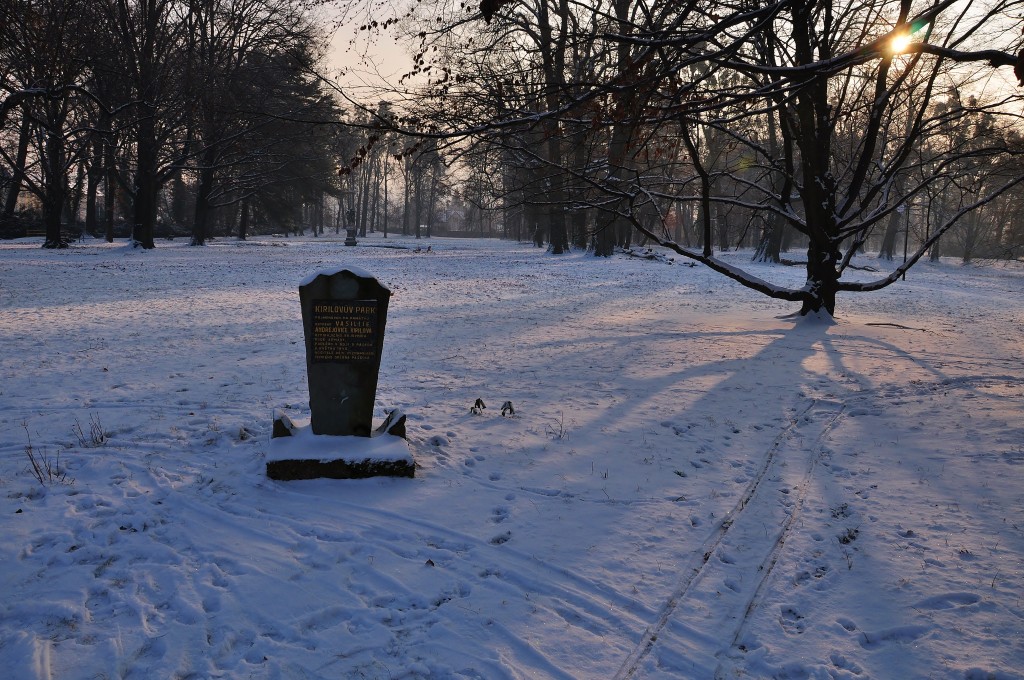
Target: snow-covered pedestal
{"type": "Point", "coordinates": [300, 454]}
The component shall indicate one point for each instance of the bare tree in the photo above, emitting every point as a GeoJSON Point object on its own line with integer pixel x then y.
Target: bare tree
{"type": "Point", "coordinates": [43, 52]}
{"type": "Point", "coordinates": [827, 102]}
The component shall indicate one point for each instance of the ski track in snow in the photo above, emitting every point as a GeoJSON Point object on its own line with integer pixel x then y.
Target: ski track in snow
{"type": "Point", "coordinates": [691, 487]}
{"type": "Point", "coordinates": [733, 554]}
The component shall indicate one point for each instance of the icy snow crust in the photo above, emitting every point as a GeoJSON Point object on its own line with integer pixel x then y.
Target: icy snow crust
{"type": "Point", "coordinates": [691, 487]}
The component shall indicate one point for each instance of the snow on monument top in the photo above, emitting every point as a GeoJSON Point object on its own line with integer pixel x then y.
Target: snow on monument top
{"type": "Point", "coordinates": [355, 271]}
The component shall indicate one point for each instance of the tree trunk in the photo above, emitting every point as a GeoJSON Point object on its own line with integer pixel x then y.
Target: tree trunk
{"type": "Point", "coordinates": [533, 212]}
{"type": "Point", "coordinates": [74, 202]}
{"type": "Point", "coordinates": [680, 235]}
{"type": "Point", "coordinates": [243, 220]}
{"type": "Point", "coordinates": [624, 107]}
{"type": "Point", "coordinates": [408, 196]}
{"type": "Point", "coordinates": [579, 228]}
{"type": "Point", "coordinates": [431, 204]}
{"type": "Point", "coordinates": [200, 223]}
{"type": "Point", "coordinates": [787, 238]}
{"type": "Point", "coordinates": [364, 200]}
{"type": "Point", "coordinates": [892, 228]}
{"type": "Point", "coordinates": [558, 235]}
{"type": "Point", "coordinates": [705, 189]}
{"type": "Point", "coordinates": [375, 200]}
{"type": "Point", "coordinates": [972, 235]}
{"type": "Point", "coordinates": [180, 196]}
{"type": "Point", "coordinates": [813, 128]}
{"type": "Point", "coordinates": [93, 178]}
{"type": "Point", "coordinates": [18, 171]}
{"type": "Point", "coordinates": [770, 247]}
{"type": "Point", "coordinates": [146, 183]}
{"type": "Point", "coordinates": [723, 232]}
{"type": "Point", "coordinates": [417, 213]}
{"type": "Point", "coordinates": [385, 220]}
{"type": "Point", "coordinates": [110, 187]}
{"type": "Point", "coordinates": [705, 213]}
{"type": "Point", "coordinates": [54, 184]}
{"type": "Point", "coordinates": [822, 280]}
{"type": "Point", "coordinates": [552, 52]}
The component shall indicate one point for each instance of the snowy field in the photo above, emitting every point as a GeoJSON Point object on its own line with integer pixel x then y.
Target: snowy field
{"type": "Point", "coordinates": [693, 486]}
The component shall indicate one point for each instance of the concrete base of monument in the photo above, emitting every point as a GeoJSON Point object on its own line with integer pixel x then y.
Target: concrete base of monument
{"type": "Point", "coordinates": [300, 454]}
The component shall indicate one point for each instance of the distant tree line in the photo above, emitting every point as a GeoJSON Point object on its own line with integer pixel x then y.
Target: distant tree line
{"type": "Point", "coordinates": [158, 115]}
{"type": "Point", "coordinates": [396, 185]}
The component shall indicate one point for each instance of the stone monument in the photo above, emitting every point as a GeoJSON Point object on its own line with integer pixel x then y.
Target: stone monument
{"type": "Point", "coordinates": [344, 313]}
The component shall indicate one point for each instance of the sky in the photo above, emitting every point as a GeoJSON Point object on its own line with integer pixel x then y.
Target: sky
{"type": "Point", "coordinates": [367, 60]}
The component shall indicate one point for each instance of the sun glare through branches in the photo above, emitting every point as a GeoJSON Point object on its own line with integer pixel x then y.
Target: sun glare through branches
{"type": "Point", "coordinates": [900, 42]}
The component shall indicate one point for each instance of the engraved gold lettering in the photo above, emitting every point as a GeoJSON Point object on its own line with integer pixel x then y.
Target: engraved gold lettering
{"type": "Point", "coordinates": [344, 331]}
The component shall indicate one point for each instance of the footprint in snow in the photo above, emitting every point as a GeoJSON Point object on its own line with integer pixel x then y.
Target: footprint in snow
{"type": "Point", "coordinates": [897, 635]}
{"type": "Point", "coordinates": [948, 601]}
{"type": "Point", "coordinates": [844, 664]}
{"type": "Point", "coordinates": [847, 624]}
{"type": "Point", "coordinates": [211, 603]}
{"type": "Point", "coordinates": [152, 650]}
{"type": "Point", "coordinates": [791, 620]}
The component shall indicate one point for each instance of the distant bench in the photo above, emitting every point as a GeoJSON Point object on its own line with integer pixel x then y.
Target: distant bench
{"type": "Point", "coordinates": [66, 233]}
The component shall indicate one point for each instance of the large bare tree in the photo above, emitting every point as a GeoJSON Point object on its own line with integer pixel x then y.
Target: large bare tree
{"type": "Point", "coordinates": [818, 112]}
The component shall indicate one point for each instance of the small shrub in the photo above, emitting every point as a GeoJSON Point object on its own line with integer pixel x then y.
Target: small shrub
{"type": "Point", "coordinates": [557, 429]}
{"type": "Point", "coordinates": [96, 436]}
{"type": "Point", "coordinates": [45, 469]}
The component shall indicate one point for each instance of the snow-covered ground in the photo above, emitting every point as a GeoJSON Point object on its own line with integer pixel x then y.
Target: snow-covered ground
{"type": "Point", "coordinates": [692, 486]}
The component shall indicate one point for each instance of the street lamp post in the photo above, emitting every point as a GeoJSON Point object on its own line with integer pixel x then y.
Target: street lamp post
{"type": "Point", "coordinates": [350, 227]}
{"type": "Point", "coordinates": [350, 217]}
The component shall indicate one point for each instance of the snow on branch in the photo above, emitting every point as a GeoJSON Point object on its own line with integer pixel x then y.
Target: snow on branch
{"type": "Point", "coordinates": [14, 100]}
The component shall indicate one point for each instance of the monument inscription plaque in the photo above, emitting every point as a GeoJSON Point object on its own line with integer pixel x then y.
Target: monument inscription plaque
{"type": "Point", "coordinates": [344, 331]}
{"type": "Point", "coordinates": [343, 317]}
